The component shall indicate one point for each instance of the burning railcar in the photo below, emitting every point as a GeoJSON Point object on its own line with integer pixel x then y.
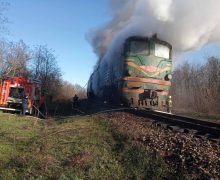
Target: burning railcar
{"type": "Point", "coordinates": [140, 76]}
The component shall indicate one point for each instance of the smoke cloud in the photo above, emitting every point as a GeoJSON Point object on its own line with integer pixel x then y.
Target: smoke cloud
{"type": "Point", "coordinates": [186, 24]}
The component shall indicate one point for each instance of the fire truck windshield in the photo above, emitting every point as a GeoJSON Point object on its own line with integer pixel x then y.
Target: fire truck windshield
{"type": "Point", "coordinates": [16, 92]}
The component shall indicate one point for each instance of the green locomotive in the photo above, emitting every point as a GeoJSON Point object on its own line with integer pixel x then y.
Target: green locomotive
{"type": "Point", "coordinates": [138, 74]}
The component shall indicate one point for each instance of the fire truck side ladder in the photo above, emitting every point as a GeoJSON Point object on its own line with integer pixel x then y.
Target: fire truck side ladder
{"type": "Point", "coordinates": [3, 92]}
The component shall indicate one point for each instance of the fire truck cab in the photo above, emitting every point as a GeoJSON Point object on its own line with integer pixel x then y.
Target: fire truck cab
{"type": "Point", "coordinates": [14, 90]}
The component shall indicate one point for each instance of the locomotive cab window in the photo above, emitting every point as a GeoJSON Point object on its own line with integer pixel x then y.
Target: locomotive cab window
{"type": "Point", "coordinates": [162, 51]}
{"type": "Point", "coordinates": [139, 47]}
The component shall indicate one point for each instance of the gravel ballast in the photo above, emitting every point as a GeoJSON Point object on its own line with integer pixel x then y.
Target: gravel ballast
{"type": "Point", "coordinates": [194, 157]}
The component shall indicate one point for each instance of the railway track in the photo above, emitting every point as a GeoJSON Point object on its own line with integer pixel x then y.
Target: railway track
{"type": "Point", "coordinates": [199, 128]}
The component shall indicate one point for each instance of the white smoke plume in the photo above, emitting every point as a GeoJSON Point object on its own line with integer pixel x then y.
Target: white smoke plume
{"type": "Point", "coordinates": [186, 24]}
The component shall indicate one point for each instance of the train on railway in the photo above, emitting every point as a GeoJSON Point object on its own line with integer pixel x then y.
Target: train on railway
{"type": "Point", "coordinates": [136, 74]}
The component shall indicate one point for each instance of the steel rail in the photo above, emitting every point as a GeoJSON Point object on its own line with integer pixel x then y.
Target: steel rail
{"type": "Point", "coordinates": [180, 123]}
{"type": "Point", "coordinates": [199, 127]}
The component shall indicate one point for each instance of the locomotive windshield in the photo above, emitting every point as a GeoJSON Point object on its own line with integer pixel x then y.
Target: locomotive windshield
{"type": "Point", "coordinates": [139, 47]}
{"type": "Point", "coordinates": [162, 51]}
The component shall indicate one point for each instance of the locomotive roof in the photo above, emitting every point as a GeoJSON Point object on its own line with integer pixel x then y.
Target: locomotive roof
{"type": "Point", "coordinates": [144, 38]}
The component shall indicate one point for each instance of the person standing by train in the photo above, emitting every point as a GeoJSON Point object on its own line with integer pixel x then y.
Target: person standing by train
{"type": "Point", "coordinates": [75, 101]}
{"type": "Point", "coordinates": [24, 103]}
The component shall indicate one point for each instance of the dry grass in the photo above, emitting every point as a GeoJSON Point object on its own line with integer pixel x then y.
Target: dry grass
{"type": "Point", "coordinates": [79, 148]}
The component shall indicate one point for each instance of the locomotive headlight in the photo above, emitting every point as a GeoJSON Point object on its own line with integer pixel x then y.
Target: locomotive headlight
{"type": "Point", "coordinates": [168, 77]}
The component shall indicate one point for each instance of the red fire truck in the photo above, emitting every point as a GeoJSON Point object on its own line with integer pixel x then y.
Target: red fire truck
{"type": "Point", "coordinates": [13, 90]}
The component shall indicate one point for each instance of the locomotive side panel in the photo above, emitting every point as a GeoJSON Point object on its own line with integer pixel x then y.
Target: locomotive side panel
{"type": "Point", "coordinates": [105, 82]}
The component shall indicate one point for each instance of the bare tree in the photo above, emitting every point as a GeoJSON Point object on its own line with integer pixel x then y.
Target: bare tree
{"type": "Point", "coordinates": [2, 58]}
{"type": "Point", "coordinates": [195, 88]}
{"type": "Point", "coordinates": [67, 91]}
{"type": "Point", "coordinates": [14, 58]}
{"type": "Point", "coordinates": [80, 91]}
{"type": "Point", "coordinates": [45, 68]}
{"type": "Point", "coordinates": [17, 59]}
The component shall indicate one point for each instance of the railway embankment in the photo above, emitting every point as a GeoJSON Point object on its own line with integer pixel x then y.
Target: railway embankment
{"type": "Point", "coordinates": [113, 145]}
{"type": "Point", "coordinates": [190, 156]}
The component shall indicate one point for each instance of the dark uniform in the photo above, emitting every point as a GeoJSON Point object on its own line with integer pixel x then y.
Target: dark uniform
{"type": "Point", "coordinates": [75, 101]}
{"type": "Point", "coordinates": [24, 104]}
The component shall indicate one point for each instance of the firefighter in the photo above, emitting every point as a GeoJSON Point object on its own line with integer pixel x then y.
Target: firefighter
{"type": "Point", "coordinates": [24, 104]}
{"type": "Point", "coordinates": [75, 101]}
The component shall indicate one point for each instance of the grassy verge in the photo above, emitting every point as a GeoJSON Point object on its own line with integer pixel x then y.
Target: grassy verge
{"type": "Point", "coordinates": [203, 116]}
{"type": "Point", "coordinates": [79, 148]}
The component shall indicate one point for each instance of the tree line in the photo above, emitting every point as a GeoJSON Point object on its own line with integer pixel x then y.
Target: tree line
{"type": "Point", "coordinates": [196, 88]}
{"type": "Point", "coordinates": [17, 59]}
